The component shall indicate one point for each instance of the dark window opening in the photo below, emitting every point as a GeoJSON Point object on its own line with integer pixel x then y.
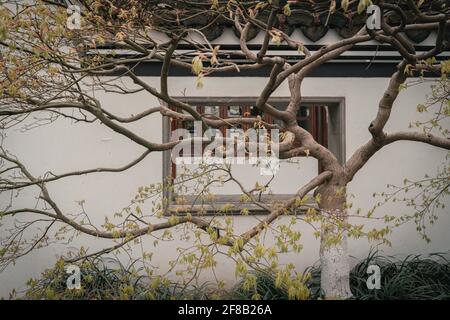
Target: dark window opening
{"type": "Point", "coordinates": [324, 119]}
{"type": "Point", "coordinates": [313, 118]}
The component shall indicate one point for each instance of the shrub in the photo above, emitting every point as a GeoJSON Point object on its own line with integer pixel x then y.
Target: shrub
{"type": "Point", "coordinates": [102, 279]}
{"type": "Point", "coordinates": [413, 278]}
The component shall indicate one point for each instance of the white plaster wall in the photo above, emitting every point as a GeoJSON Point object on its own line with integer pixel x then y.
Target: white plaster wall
{"type": "Point", "coordinates": [64, 146]}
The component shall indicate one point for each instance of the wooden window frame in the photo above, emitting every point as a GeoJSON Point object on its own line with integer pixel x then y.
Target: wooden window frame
{"type": "Point", "coordinates": [334, 118]}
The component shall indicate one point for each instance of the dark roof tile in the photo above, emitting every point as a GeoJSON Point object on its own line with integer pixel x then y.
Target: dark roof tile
{"type": "Point", "coordinates": [311, 17]}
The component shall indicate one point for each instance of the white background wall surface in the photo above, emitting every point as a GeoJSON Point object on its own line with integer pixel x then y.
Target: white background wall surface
{"type": "Point", "coordinates": [64, 146]}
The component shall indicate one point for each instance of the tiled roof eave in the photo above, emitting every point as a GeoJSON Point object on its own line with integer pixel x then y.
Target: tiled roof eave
{"type": "Point", "coordinates": [312, 18]}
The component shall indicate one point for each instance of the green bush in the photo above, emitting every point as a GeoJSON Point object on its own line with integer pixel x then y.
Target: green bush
{"type": "Point", "coordinates": [415, 277]}
{"type": "Point", "coordinates": [265, 288]}
{"type": "Point", "coordinates": [101, 280]}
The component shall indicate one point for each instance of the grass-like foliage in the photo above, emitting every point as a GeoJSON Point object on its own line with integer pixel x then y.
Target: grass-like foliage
{"type": "Point", "coordinates": [412, 278]}
{"type": "Point", "coordinates": [109, 279]}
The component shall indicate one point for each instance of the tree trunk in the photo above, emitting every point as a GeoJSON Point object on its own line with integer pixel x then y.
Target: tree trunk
{"type": "Point", "coordinates": [334, 258]}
